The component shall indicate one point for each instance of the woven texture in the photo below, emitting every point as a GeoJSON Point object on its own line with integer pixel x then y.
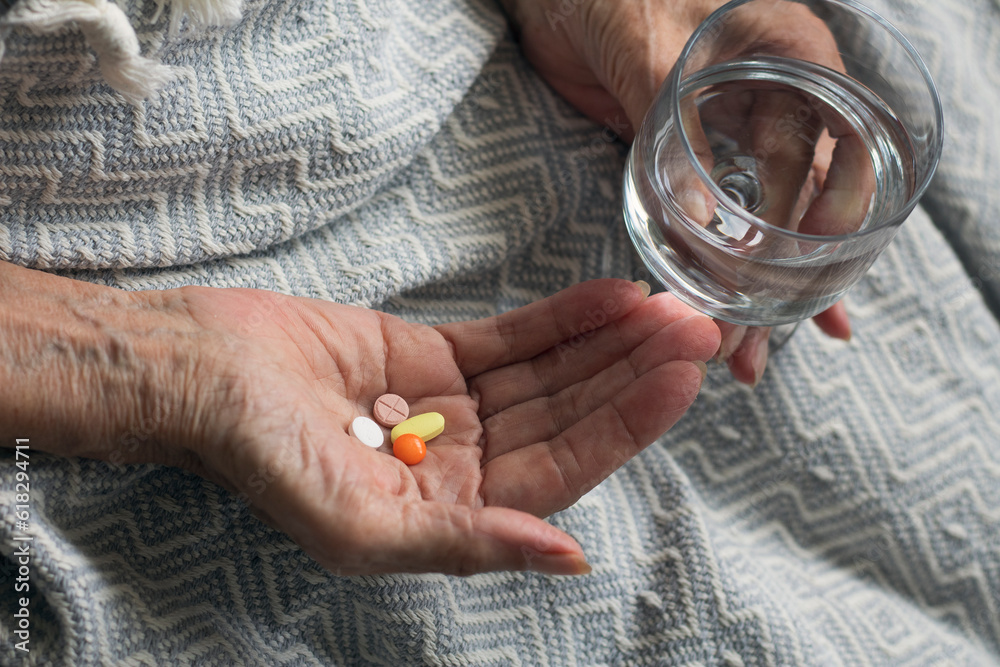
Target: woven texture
{"type": "Point", "coordinates": [842, 513]}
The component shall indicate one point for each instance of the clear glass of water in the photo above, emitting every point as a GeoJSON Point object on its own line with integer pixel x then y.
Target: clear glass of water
{"type": "Point", "coordinates": [785, 149]}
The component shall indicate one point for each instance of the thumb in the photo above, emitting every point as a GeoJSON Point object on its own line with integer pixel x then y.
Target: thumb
{"type": "Point", "coordinates": [455, 539]}
{"type": "Point", "coordinates": [641, 44]}
{"type": "Point", "coordinates": [630, 48]}
{"type": "Point", "coordinates": [634, 76]}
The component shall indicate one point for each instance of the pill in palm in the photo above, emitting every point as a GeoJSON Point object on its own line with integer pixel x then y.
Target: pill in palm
{"type": "Point", "coordinates": [409, 448]}
{"type": "Point", "coordinates": [390, 410]}
{"type": "Point", "coordinates": [367, 431]}
{"type": "Point", "coordinates": [428, 425]}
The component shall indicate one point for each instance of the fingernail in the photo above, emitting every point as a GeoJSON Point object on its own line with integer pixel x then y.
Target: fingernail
{"type": "Point", "coordinates": [730, 343]}
{"type": "Point", "coordinates": [561, 564]}
{"type": "Point", "coordinates": [696, 206]}
{"type": "Point", "coordinates": [701, 367]}
{"type": "Point", "coordinates": [643, 287]}
{"type": "Point", "coordinates": [759, 361]}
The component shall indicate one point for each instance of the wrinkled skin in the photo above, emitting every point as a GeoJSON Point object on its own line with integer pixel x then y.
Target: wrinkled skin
{"type": "Point", "coordinates": [540, 404]}
{"type": "Point", "coordinates": [256, 390]}
{"type": "Point", "coordinates": [609, 58]}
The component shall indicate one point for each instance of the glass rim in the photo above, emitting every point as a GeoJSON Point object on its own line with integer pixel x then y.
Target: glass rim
{"type": "Point", "coordinates": [751, 219]}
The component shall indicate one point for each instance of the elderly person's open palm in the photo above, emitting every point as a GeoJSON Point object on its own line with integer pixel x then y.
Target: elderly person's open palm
{"type": "Point", "coordinates": [256, 390]}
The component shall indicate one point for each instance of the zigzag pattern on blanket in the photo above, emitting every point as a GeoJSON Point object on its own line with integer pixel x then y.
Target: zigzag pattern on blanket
{"type": "Point", "coordinates": [875, 471]}
{"type": "Point", "coordinates": [282, 124]}
{"type": "Point", "coordinates": [961, 43]}
{"type": "Point", "coordinates": [838, 515]}
{"type": "Point", "coordinates": [841, 513]}
{"type": "Point", "coordinates": [488, 183]}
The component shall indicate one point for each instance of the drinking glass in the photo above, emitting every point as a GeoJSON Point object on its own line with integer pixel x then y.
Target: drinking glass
{"type": "Point", "coordinates": [783, 152]}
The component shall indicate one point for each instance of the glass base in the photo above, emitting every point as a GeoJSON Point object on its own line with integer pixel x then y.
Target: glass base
{"type": "Point", "coordinates": [780, 335]}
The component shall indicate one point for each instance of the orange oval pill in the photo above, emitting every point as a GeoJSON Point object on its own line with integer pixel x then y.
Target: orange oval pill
{"type": "Point", "coordinates": [409, 448]}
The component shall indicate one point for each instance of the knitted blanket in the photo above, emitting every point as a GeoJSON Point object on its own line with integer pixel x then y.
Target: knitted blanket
{"type": "Point", "coordinates": [403, 156]}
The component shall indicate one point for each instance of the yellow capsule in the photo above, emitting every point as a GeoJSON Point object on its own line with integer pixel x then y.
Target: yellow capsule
{"type": "Point", "coordinates": [428, 425]}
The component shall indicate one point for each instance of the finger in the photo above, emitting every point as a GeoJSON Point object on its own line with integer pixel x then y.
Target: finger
{"type": "Point", "coordinates": [527, 332]}
{"type": "Point", "coordinates": [692, 339]}
{"type": "Point", "coordinates": [691, 192]}
{"type": "Point", "coordinates": [635, 66]}
{"type": "Point", "coordinates": [847, 196]}
{"type": "Point", "coordinates": [834, 321]}
{"type": "Point", "coordinates": [732, 337]}
{"type": "Point", "coordinates": [427, 536]}
{"type": "Point", "coordinates": [785, 128]}
{"type": "Point", "coordinates": [577, 358]}
{"type": "Point", "coordinates": [726, 111]}
{"type": "Point", "coordinates": [748, 362]}
{"type": "Point", "coordinates": [548, 476]}
{"type": "Point", "coordinates": [822, 158]}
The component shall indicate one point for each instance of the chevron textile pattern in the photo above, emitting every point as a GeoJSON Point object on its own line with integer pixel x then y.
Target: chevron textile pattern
{"type": "Point", "coordinates": [370, 152]}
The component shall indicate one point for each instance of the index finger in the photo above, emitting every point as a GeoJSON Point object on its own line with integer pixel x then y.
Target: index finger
{"type": "Point", "coordinates": [526, 332]}
{"type": "Point", "coordinates": [847, 193]}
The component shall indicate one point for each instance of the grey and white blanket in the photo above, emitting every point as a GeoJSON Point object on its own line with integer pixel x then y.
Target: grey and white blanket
{"type": "Point", "coordinates": [403, 156]}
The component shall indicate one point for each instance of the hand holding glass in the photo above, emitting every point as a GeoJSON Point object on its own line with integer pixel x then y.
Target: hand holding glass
{"type": "Point", "coordinates": [787, 146]}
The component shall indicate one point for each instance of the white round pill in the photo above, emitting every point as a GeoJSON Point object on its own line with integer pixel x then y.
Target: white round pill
{"type": "Point", "coordinates": [367, 431]}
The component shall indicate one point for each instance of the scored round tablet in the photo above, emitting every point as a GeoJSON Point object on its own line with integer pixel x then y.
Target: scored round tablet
{"type": "Point", "coordinates": [367, 431]}
{"type": "Point", "coordinates": [390, 410]}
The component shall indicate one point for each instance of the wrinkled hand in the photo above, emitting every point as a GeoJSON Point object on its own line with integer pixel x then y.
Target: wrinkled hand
{"type": "Point", "coordinates": [541, 404]}
{"type": "Point", "coordinates": [609, 58]}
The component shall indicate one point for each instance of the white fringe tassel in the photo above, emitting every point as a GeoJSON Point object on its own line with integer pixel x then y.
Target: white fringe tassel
{"type": "Point", "coordinates": [107, 30]}
{"type": "Point", "coordinates": [204, 12]}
